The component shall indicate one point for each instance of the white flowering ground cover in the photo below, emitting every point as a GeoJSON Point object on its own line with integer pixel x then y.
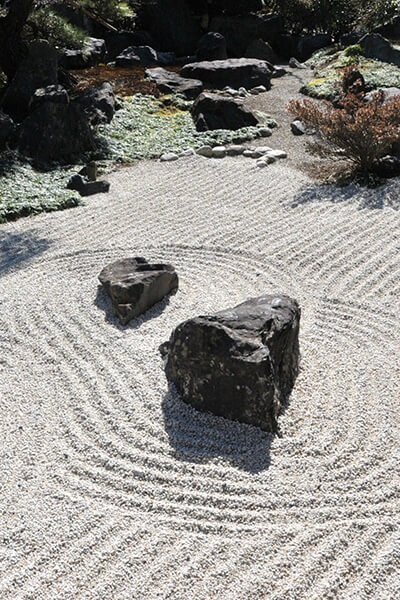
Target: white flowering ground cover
{"type": "Point", "coordinates": [142, 128]}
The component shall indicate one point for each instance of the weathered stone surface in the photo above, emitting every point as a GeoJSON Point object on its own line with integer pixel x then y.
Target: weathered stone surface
{"type": "Point", "coordinates": [117, 41]}
{"type": "Point", "coordinates": [214, 111]}
{"type": "Point", "coordinates": [308, 44]}
{"type": "Point", "coordinates": [233, 72]}
{"type": "Point", "coordinates": [376, 46]}
{"type": "Point", "coordinates": [143, 56]}
{"type": "Point", "coordinates": [98, 102]}
{"type": "Point", "coordinates": [55, 133]}
{"type": "Point", "coordinates": [387, 94]}
{"type": "Point", "coordinates": [240, 31]}
{"type": "Point", "coordinates": [387, 167]}
{"type": "Point", "coordinates": [51, 93]}
{"type": "Point", "coordinates": [134, 285]}
{"type": "Point", "coordinates": [261, 50]}
{"type": "Point", "coordinates": [7, 128]}
{"type": "Point", "coordinates": [87, 187]}
{"type": "Point", "coordinates": [37, 70]}
{"type": "Point", "coordinates": [239, 363]}
{"type": "Point", "coordinates": [212, 46]}
{"type": "Point", "coordinates": [169, 82]}
{"type": "Point", "coordinates": [94, 51]}
{"type": "Point", "coordinates": [172, 25]}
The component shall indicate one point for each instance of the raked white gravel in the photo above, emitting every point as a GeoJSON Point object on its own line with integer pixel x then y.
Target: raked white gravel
{"type": "Point", "coordinates": [111, 487]}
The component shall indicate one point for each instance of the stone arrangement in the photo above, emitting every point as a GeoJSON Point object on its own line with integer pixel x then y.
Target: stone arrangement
{"type": "Point", "coordinates": [264, 155]}
{"type": "Point", "coordinates": [240, 363]}
{"type": "Point", "coordinates": [135, 285]}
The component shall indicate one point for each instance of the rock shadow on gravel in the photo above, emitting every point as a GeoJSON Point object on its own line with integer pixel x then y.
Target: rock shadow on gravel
{"type": "Point", "coordinates": [199, 437]}
{"type": "Point", "coordinates": [103, 302]}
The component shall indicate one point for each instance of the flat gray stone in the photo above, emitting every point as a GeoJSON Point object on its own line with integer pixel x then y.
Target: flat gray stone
{"type": "Point", "coordinates": [134, 285]}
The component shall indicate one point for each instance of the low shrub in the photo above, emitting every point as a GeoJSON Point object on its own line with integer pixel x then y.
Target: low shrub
{"type": "Point", "coordinates": [352, 128]}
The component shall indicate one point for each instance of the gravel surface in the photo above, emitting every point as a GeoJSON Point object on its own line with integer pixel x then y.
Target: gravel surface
{"type": "Point", "coordinates": [111, 487]}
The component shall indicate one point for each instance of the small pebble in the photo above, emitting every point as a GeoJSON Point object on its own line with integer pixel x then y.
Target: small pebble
{"type": "Point", "coordinates": [277, 153]}
{"type": "Point", "coordinates": [169, 157]}
{"type": "Point", "coordinates": [219, 152]}
{"type": "Point", "coordinates": [235, 150]}
{"type": "Point", "coordinates": [259, 89]}
{"type": "Point", "coordinates": [261, 163]}
{"type": "Point", "coordinates": [265, 131]}
{"type": "Point", "coordinates": [188, 152]}
{"type": "Point", "coordinates": [205, 151]}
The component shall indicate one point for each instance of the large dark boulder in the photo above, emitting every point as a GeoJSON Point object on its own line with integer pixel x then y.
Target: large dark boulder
{"type": "Point", "coordinates": [308, 44]}
{"type": "Point", "coordinates": [98, 102]}
{"type": "Point", "coordinates": [213, 111]}
{"type": "Point", "coordinates": [38, 69]}
{"type": "Point", "coordinates": [376, 46]}
{"type": "Point", "coordinates": [391, 29]}
{"type": "Point", "coordinates": [169, 82]}
{"type": "Point", "coordinates": [55, 133]}
{"type": "Point", "coordinates": [93, 52]}
{"type": "Point", "coordinates": [240, 31]}
{"type": "Point", "coordinates": [7, 128]}
{"type": "Point", "coordinates": [51, 93]}
{"type": "Point", "coordinates": [118, 41]}
{"type": "Point", "coordinates": [234, 72]}
{"type": "Point", "coordinates": [172, 25]}
{"type": "Point", "coordinates": [239, 363]}
{"type": "Point", "coordinates": [212, 46]}
{"type": "Point", "coordinates": [134, 285]}
{"type": "Point", "coordinates": [261, 50]}
{"type": "Point", "coordinates": [143, 56]}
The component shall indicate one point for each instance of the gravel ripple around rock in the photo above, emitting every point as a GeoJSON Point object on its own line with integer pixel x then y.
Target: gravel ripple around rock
{"type": "Point", "coordinates": [112, 487]}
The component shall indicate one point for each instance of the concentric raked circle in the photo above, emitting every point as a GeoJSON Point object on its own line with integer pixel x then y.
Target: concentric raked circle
{"type": "Point", "coordinates": [121, 438]}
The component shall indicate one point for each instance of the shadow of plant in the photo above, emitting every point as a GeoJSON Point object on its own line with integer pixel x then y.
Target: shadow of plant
{"type": "Point", "coordinates": [384, 196]}
{"type": "Point", "coordinates": [18, 248]}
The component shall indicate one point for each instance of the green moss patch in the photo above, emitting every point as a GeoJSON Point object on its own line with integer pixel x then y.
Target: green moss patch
{"type": "Point", "coordinates": [328, 72]}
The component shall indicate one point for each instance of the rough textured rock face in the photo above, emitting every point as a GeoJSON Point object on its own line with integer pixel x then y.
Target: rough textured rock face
{"type": "Point", "coordinates": [93, 53]}
{"type": "Point", "coordinates": [37, 70]}
{"type": "Point", "coordinates": [98, 103]}
{"type": "Point", "coordinates": [119, 41]}
{"type": "Point", "coordinates": [169, 82]}
{"type": "Point", "coordinates": [212, 46]}
{"type": "Point", "coordinates": [134, 285]}
{"type": "Point", "coordinates": [376, 46]}
{"type": "Point", "coordinates": [51, 93]}
{"type": "Point", "coordinates": [261, 50]}
{"type": "Point", "coordinates": [240, 363]}
{"type": "Point", "coordinates": [234, 72]}
{"type": "Point", "coordinates": [55, 132]}
{"type": "Point", "coordinates": [213, 111]}
{"type": "Point", "coordinates": [240, 31]}
{"type": "Point", "coordinates": [143, 56]}
{"type": "Point", "coordinates": [172, 25]}
{"type": "Point", "coordinates": [7, 128]}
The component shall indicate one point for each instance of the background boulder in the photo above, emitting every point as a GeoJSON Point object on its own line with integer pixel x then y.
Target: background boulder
{"type": "Point", "coordinates": [233, 72]}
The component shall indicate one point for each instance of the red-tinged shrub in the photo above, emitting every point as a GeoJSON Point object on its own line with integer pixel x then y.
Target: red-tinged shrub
{"type": "Point", "coordinates": [352, 128]}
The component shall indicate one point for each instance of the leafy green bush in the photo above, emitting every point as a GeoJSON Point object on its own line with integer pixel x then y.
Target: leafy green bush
{"type": "Point", "coordinates": [335, 17]}
{"type": "Point", "coordinates": [46, 24]}
{"type": "Point", "coordinates": [354, 50]}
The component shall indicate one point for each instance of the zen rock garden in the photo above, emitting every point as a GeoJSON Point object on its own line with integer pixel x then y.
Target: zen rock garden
{"type": "Point", "coordinates": [240, 363]}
